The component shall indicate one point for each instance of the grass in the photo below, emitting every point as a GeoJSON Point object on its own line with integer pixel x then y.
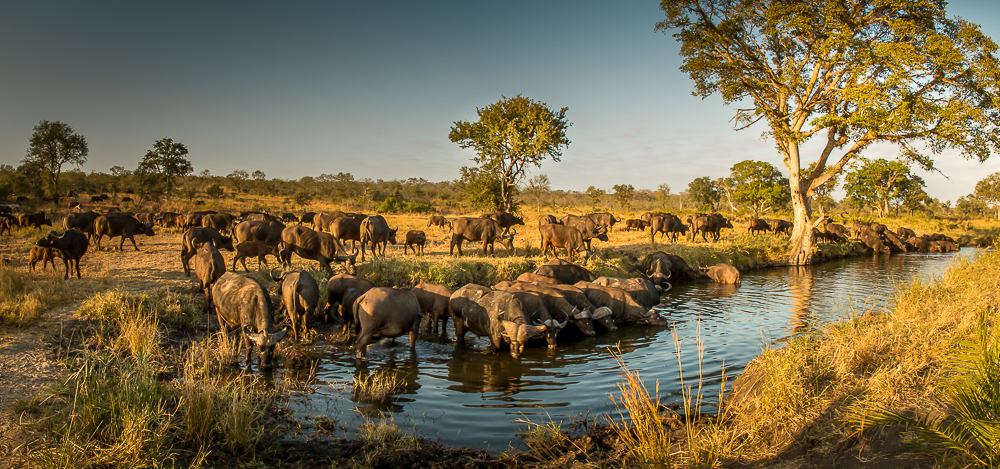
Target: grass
{"type": "Point", "coordinates": [25, 297]}
{"type": "Point", "coordinates": [377, 387]}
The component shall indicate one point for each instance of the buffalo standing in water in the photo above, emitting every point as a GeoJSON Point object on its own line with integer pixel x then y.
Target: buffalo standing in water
{"type": "Point", "coordinates": [243, 303]}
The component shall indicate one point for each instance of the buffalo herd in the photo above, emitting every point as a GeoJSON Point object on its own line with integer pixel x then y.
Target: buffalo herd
{"type": "Point", "coordinates": [557, 300]}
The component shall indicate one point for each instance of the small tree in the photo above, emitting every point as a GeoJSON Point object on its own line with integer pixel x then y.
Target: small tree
{"type": "Point", "coordinates": [879, 183]}
{"type": "Point", "coordinates": [238, 179]}
{"type": "Point", "coordinates": [663, 195]}
{"type": "Point", "coordinates": [595, 195]}
{"type": "Point", "coordinates": [704, 193]}
{"type": "Point", "coordinates": [511, 134]}
{"type": "Point", "coordinates": [988, 191]}
{"type": "Point", "coordinates": [624, 193]}
{"type": "Point", "coordinates": [164, 163]}
{"type": "Point", "coordinates": [481, 189]}
{"type": "Point", "coordinates": [759, 185]}
{"type": "Point", "coordinates": [52, 145]}
{"type": "Point", "coordinates": [538, 187]}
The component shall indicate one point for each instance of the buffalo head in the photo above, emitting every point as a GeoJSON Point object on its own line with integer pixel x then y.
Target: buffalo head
{"type": "Point", "coordinates": [266, 342]}
{"type": "Point", "coordinates": [392, 236]}
{"type": "Point", "coordinates": [518, 335]}
{"type": "Point", "coordinates": [604, 317]}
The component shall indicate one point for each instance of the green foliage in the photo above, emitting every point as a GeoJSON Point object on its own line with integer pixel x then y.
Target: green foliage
{"type": "Point", "coordinates": [759, 185]}
{"type": "Point", "coordinates": [704, 192]}
{"type": "Point", "coordinates": [624, 193]}
{"type": "Point", "coordinates": [663, 195]}
{"type": "Point", "coordinates": [52, 145]}
{"type": "Point", "coordinates": [164, 163]}
{"type": "Point", "coordinates": [214, 191]}
{"type": "Point", "coordinates": [481, 189]}
{"type": "Point", "coordinates": [974, 395]}
{"type": "Point", "coordinates": [988, 191]}
{"type": "Point", "coordinates": [595, 195]}
{"type": "Point", "coordinates": [393, 205]}
{"type": "Point", "coordinates": [537, 188]}
{"type": "Point", "coordinates": [302, 198]}
{"type": "Point", "coordinates": [853, 73]}
{"type": "Point", "coordinates": [881, 183]}
{"type": "Point", "coordinates": [510, 135]}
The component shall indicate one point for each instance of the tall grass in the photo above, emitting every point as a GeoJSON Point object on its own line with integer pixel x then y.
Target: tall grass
{"type": "Point", "coordinates": [24, 299]}
{"type": "Point", "coordinates": [377, 387]}
{"type": "Point", "coordinates": [971, 435]}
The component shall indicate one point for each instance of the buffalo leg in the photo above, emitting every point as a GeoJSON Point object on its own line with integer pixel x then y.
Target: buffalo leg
{"type": "Point", "coordinates": [361, 345]}
{"type": "Point", "coordinates": [459, 330]}
{"type": "Point", "coordinates": [413, 340]}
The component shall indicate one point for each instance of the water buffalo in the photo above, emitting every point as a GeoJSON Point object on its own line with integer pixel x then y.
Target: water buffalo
{"type": "Point", "coordinates": [642, 290]}
{"type": "Point", "coordinates": [723, 273]}
{"type": "Point", "coordinates": [415, 239]}
{"type": "Point", "coordinates": [120, 225]}
{"type": "Point", "coordinates": [578, 298]}
{"type": "Point", "coordinates": [336, 288]}
{"type": "Point", "coordinates": [486, 230]}
{"type": "Point", "coordinates": [623, 307]}
{"type": "Point", "coordinates": [756, 225]}
{"type": "Point", "coordinates": [288, 217]}
{"type": "Point", "coordinates": [81, 221]}
{"type": "Point", "coordinates": [209, 267]}
{"type": "Point", "coordinates": [388, 312]}
{"type": "Point", "coordinates": [433, 300]}
{"type": "Point", "coordinates": [5, 225]}
{"type": "Point", "coordinates": [505, 220]}
{"type": "Point", "coordinates": [668, 224]}
{"type": "Point", "coordinates": [604, 219]}
{"type": "Point", "coordinates": [438, 220]}
{"type": "Point", "coordinates": [781, 226]}
{"type": "Point", "coordinates": [560, 236]}
{"type": "Point", "coordinates": [660, 266]}
{"type": "Point", "coordinates": [494, 314]}
{"type": "Point", "coordinates": [920, 243]}
{"type": "Point", "coordinates": [194, 219]}
{"type": "Point", "coordinates": [307, 217]}
{"type": "Point", "coordinates": [96, 199]}
{"type": "Point", "coordinates": [75, 205]}
{"type": "Point", "coordinates": [548, 220]}
{"type": "Point", "coordinates": [891, 237]}
{"type": "Point", "coordinates": [708, 224]}
{"type": "Point", "coordinates": [44, 254]}
{"type": "Point", "coordinates": [905, 233]}
{"type": "Point", "coordinates": [872, 240]}
{"type": "Point", "coordinates": [635, 224]}
{"type": "Point", "coordinates": [72, 245]}
{"type": "Point", "coordinates": [322, 220]}
{"type": "Point", "coordinates": [168, 219]}
{"type": "Point", "coordinates": [266, 231]}
{"type": "Point", "coordinates": [194, 237]}
{"type": "Point", "coordinates": [259, 216]}
{"type": "Point", "coordinates": [34, 220]}
{"type": "Point", "coordinates": [221, 222]}
{"type": "Point", "coordinates": [258, 249]}
{"type": "Point", "coordinates": [538, 312]}
{"type": "Point", "coordinates": [243, 303]}
{"type": "Point", "coordinates": [531, 277]}
{"type": "Point", "coordinates": [558, 306]}
{"type": "Point", "coordinates": [565, 272]}
{"type": "Point", "coordinates": [588, 228]}
{"type": "Point", "coordinates": [346, 229]}
{"type": "Point", "coordinates": [315, 245]}
{"type": "Point", "coordinates": [299, 297]}
{"type": "Point", "coordinates": [375, 230]}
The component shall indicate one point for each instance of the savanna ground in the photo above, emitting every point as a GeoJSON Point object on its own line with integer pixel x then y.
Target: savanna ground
{"type": "Point", "coordinates": [135, 322]}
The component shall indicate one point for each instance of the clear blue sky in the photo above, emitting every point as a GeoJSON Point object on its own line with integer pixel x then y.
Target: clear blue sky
{"type": "Point", "coordinates": [372, 88]}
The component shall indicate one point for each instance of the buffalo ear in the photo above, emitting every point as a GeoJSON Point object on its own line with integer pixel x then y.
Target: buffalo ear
{"type": "Point", "coordinates": [510, 328]}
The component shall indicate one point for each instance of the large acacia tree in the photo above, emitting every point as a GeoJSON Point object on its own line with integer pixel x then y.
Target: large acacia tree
{"type": "Point", "coordinates": [851, 73]}
{"type": "Point", "coordinates": [52, 145]}
{"type": "Point", "coordinates": [510, 135]}
{"type": "Point", "coordinates": [165, 162]}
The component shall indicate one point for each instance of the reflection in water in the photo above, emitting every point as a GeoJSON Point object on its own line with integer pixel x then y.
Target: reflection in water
{"type": "Point", "coordinates": [468, 395]}
{"type": "Point", "coordinates": [800, 283]}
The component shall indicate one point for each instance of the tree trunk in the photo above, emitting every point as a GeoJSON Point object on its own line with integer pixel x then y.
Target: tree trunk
{"type": "Point", "coordinates": [800, 251]}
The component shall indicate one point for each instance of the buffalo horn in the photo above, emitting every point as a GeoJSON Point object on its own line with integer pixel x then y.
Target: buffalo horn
{"type": "Point", "coordinates": [582, 315]}
{"type": "Point", "coordinates": [533, 320]}
{"type": "Point", "coordinates": [277, 278]}
{"type": "Point", "coordinates": [664, 290]}
{"type": "Point", "coordinates": [649, 313]}
{"type": "Point", "coordinates": [602, 313]}
{"type": "Point", "coordinates": [563, 324]}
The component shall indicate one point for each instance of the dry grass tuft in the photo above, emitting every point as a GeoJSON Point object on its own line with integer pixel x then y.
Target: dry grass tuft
{"type": "Point", "coordinates": [378, 387]}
